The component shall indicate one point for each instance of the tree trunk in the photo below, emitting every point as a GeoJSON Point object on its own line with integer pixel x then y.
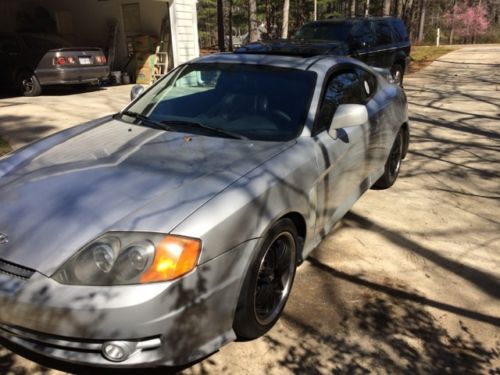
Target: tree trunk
{"type": "Point", "coordinates": [399, 8]}
{"type": "Point", "coordinates": [352, 8]}
{"type": "Point", "coordinates": [286, 16]}
{"type": "Point", "coordinates": [230, 24]}
{"type": "Point", "coordinates": [253, 32]}
{"type": "Point", "coordinates": [452, 30]}
{"type": "Point", "coordinates": [220, 26]}
{"type": "Point", "coordinates": [367, 8]}
{"type": "Point", "coordinates": [386, 8]}
{"type": "Point", "coordinates": [421, 22]}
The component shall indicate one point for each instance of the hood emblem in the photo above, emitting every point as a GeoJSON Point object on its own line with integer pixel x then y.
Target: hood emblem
{"type": "Point", "coordinates": [3, 239]}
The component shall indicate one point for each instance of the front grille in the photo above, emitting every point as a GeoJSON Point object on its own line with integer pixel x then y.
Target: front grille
{"type": "Point", "coordinates": [12, 269]}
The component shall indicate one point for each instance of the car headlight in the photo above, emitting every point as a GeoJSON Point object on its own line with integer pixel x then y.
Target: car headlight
{"type": "Point", "coordinates": [126, 258]}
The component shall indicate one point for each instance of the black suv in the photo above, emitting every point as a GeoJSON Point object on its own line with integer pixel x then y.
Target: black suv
{"type": "Point", "coordinates": [382, 42]}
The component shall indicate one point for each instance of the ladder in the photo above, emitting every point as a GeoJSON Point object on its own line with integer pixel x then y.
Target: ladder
{"type": "Point", "coordinates": [162, 50]}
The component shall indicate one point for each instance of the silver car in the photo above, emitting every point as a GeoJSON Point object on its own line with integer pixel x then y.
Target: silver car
{"type": "Point", "coordinates": [158, 235]}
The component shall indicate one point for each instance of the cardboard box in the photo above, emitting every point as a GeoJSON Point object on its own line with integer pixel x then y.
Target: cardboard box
{"type": "Point", "coordinates": [144, 76]}
{"type": "Point", "coordinates": [145, 60]}
{"type": "Point", "coordinates": [145, 43]}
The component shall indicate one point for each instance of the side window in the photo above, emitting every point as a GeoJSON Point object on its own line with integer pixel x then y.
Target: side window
{"type": "Point", "coordinates": [383, 33]}
{"type": "Point", "coordinates": [8, 44]}
{"type": "Point", "coordinates": [400, 30]}
{"type": "Point", "coordinates": [361, 33]}
{"type": "Point", "coordinates": [368, 84]}
{"type": "Point", "coordinates": [344, 87]}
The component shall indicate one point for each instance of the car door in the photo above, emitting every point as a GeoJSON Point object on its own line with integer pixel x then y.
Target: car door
{"type": "Point", "coordinates": [10, 51]}
{"type": "Point", "coordinates": [341, 154]}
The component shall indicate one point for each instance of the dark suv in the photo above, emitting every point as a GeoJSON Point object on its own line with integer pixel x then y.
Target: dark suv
{"type": "Point", "coordinates": [381, 42]}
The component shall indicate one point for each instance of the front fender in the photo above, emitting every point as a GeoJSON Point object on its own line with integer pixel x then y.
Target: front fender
{"type": "Point", "coordinates": [247, 208]}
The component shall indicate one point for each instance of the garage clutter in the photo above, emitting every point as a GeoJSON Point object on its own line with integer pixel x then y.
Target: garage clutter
{"type": "Point", "coordinates": [145, 48]}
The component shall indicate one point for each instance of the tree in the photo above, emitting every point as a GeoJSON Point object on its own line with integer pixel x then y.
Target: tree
{"type": "Point", "coordinates": [252, 21]}
{"type": "Point", "coordinates": [386, 8]}
{"type": "Point", "coordinates": [286, 16]}
{"type": "Point", "coordinates": [467, 21]}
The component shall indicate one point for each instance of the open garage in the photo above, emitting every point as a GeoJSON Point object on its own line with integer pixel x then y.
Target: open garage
{"type": "Point", "coordinates": [144, 38]}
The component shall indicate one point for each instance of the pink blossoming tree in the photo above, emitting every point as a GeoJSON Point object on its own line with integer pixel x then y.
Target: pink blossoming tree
{"type": "Point", "coordinates": [467, 22]}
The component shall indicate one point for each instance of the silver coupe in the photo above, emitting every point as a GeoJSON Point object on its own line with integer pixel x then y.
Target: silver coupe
{"type": "Point", "coordinates": [155, 236]}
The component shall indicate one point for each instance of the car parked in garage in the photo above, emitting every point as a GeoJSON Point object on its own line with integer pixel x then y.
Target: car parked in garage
{"type": "Point", "coordinates": [378, 41]}
{"type": "Point", "coordinates": [157, 235]}
{"type": "Point", "coordinates": [30, 61]}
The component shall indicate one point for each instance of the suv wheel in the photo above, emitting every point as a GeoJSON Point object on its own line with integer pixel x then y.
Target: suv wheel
{"type": "Point", "coordinates": [397, 72]}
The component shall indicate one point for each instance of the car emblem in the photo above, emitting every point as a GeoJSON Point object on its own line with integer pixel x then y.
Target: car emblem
{"type": "Point", "coordinates": [3, 239]}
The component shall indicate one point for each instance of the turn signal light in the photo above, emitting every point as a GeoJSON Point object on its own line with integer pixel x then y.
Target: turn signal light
{"type": "Point", "coordinates": [174, 257]}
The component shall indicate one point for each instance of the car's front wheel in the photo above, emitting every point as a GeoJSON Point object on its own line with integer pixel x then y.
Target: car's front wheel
{"type": "Point", "coordinates": [268, 282]}
{"type": "Point", "coordinates": [393, 163]}
{"type": "Point", "coordinates": [28, 84]}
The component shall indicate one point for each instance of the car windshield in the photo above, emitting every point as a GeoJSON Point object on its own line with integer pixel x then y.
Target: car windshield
{"type": "Point", "coordinates": [338, 31]}
{"type": "Point", "coordinates": [247, 101]}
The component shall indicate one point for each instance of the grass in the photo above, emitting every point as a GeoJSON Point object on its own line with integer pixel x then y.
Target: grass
{"type": "Point", "coordinates": [422, 56]}
{"type": "Point", "coordinates": [4, 147]}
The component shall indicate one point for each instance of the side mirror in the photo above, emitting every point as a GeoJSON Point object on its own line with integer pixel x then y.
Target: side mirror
{"type": "Point", "coordinates": [349, 115]}
{"type": "Point", "coordinates": [136, 91]}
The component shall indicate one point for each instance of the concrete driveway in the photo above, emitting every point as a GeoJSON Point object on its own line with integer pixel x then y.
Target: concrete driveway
{"type": "Point", "coordinates": [409, 281]}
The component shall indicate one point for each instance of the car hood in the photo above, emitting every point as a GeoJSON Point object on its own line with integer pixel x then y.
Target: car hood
{"type": "Point", "coordinates": [62, 192]}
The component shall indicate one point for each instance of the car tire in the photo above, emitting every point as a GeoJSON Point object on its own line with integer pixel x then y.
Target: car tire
{"type": "Point", "coordinates": [268, 282]}
{"type": "Point", "coordinates": [393, 164]}
{"type": "Point", "coordinates": [398, 72]}
{"type": "Point", "coordinates": [28, 84]}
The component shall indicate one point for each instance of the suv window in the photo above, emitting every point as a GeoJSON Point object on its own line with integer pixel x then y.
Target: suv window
{"type": "Point", "coordinates": [344, 87]}
{"type": "Point", "coordinates": [361, 33]}
{"type": "Point", "coordinates": [324, 31]}
{"type": "Point", "coordinates": [383, 33]}
{"type": "Point", "coordinates": [400, 30]}
{"type": "Point", "coordinates": [8, 44]}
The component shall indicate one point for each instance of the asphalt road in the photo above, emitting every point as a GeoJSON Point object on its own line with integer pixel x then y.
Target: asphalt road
{"type": "Point", "coordinates": [409, 281]}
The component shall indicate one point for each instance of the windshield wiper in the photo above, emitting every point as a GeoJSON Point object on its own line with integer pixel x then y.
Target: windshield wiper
{"type": "Point", "coordinates": [145, 120]}
{"type": "Point", "coordinates": [209, 129]}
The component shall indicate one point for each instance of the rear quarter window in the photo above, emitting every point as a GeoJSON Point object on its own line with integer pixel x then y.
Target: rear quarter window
{"type": "Point", "coordinates": [400, 30]}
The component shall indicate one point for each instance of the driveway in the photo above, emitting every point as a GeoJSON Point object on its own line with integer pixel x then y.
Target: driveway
{"type": "Point", "coordinates": [409, 281]}
{"type": "Point", "coordinates": [23, 119]}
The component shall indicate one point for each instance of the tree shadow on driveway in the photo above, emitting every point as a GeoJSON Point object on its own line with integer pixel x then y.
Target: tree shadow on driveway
{"type": "Point", "coordinates": [387, 331]}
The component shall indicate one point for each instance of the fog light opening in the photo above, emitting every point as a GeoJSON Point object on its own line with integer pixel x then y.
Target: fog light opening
{"type": "Point", "coordinates": [118, 351]}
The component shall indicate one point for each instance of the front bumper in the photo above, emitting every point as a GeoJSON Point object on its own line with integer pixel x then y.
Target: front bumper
{"type": "Point", "coordinates": [173, 323]}
{"type": "Point", "coordinates": [73, 75]}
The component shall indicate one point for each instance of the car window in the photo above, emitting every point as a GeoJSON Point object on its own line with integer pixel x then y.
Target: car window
{"type": "Point", "coordinates": [361, 34]}
{"type": "Point", "coordinates": [344, 87]}
{"type": "Point", "coordinates": [8, 44]}
{"type": "Point", "coordinates": [338, 31]}
{"type": "Point", "coordinates": [383, 33]}
{"type": "Point", "coordinates": [258, 102]}
{"type": "Point", "coordinates": [400, 30]}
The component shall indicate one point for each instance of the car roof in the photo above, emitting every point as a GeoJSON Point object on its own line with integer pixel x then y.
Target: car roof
{"type": "Point", "coordinates": [316, 63]}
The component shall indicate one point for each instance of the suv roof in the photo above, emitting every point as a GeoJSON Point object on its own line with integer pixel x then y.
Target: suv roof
{"type": "Point", "coordinates": [286, 47]}
{"type": "Point", "coordinates": [354, 19]}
